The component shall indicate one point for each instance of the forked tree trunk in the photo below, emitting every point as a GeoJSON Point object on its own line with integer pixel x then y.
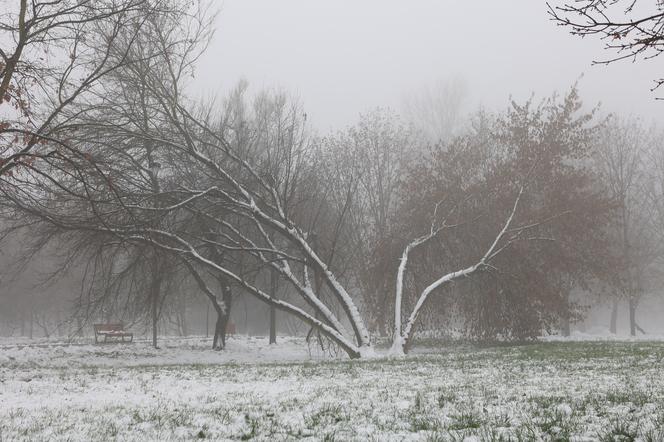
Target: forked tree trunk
{"type": "Point", "coordinates": [402, 336]}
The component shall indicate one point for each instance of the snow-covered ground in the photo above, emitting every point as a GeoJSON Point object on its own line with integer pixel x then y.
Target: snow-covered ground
{"type": "Point", "coordinates": [543, 391]}
{"type": "Point", "coordinates": [602, 334]}
{"type": "Point", "coordinates": [173, 351]}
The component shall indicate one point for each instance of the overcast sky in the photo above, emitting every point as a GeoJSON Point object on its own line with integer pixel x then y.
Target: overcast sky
{"type": "Point", "coordinates": [343, 57]}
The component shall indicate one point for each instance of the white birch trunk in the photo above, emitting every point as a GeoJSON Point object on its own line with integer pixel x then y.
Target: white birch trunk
{"type": "Point", "coordinates": [402, 337]}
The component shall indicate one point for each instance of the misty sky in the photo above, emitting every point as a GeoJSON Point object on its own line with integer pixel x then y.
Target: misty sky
{"type": "Point", "coordinates": [343, 57]}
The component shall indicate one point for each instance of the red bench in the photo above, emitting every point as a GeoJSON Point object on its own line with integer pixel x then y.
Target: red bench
{"type": "Point", "coordinates": [112, 331]}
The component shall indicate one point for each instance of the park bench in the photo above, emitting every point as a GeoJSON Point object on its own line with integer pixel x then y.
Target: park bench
{"type": "Point", "coordinates": [112, 331]}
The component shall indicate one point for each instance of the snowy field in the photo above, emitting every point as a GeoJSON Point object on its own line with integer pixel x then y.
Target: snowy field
{"type": "Point", "coordinates": [600, 390]}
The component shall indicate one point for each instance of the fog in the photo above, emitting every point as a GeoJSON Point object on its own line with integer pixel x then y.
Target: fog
{"type": "Point", "coordinates": [342, 58]}
{"type": "Point", "coordinates": [331, 220]}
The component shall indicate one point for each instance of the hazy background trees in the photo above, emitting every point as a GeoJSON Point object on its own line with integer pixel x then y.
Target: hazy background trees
{"type": "Point", "coordinates": [163, 209]}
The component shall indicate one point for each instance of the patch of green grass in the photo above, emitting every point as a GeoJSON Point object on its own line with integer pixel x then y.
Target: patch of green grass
{"type": "Point", "coordinates": [467, 418]}
{"type": "Point", "coordinates": [328, 414]}
{"type": "Point", "coordinates": [624, 396]}
{"type": "Point", "coordinates": [500, 393]}
{"type": "Point", "coordinates": [620, 430]}
{"type": "Point", "coordinates": [253, 424]}
{"type": "Point", "coordinates": [556, 425]}
{"type": "Point", "coordinates": [446, 396]}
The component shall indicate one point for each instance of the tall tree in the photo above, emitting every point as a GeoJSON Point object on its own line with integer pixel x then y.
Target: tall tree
{"type": "Point", "coordinates": [623, 148]}
{"type": "Point", "coordinates": [369, 160]}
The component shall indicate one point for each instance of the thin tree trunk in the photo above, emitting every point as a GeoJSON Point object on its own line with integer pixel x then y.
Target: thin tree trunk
{"type": "Point", "coordinates": [613, 326]}
{"type": "Point", "coordinates": [567, 323]}
{"type": "Point", "coordinates": [566, 326]}
{"type": "Point", "coordinates": [207, 321]}
{"type": "Point", "coordinates": [318, 283]}
{"type": "Point", "coordinates": [223, 315]}
{"type": "Point", "coordinates": [154, 300]}
{"type": "Point", "coordinates": [273, 326]}
{"type": "Point", "coordinates": [273, 310]}
{"type": "Point", "coordinates": [632, 316]}
{"type": "Point", "coordinates": [313, 330]}
{"type": "Point", "coordinates": [219, 340]}
{"type": "Point", "coordinates": [181, 318]}
{"type": "Point", "coordinates": [185, 332]}
{"type": "Point", "coordinates": [228, 301]}
{"type": "Point", "coordinates": [638, 328]}
{"type": "Point", "coordinates": [59, 324]}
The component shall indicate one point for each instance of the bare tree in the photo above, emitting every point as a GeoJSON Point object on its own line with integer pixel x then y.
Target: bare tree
{"type": "Point", "coordinates": [631, 30]}
{"type": "Point", "coordinates": [81, 37]}
{"type": "Point", "coordinates": [365, 165]}
{"type": "Point", "coordinates": [99, 40]}
{"type": "Point", "coordinates": [507, 235]}
{"type": "Point", "coordinates": [437, 111]}
{"type": "Point", "coordinates": [621, 162]}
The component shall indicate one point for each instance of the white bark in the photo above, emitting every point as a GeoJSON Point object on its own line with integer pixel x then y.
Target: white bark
{"type": "Point", "coordinates": [284, 226]}
{"type": "Point", "coordinates": [397, 343]}
{"type": "Point", "coordinates": [186, 248]}
{"type": "Point", "coordinates": [400, 274]}
{"type": "Point", "coordinates": [401, 337]}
